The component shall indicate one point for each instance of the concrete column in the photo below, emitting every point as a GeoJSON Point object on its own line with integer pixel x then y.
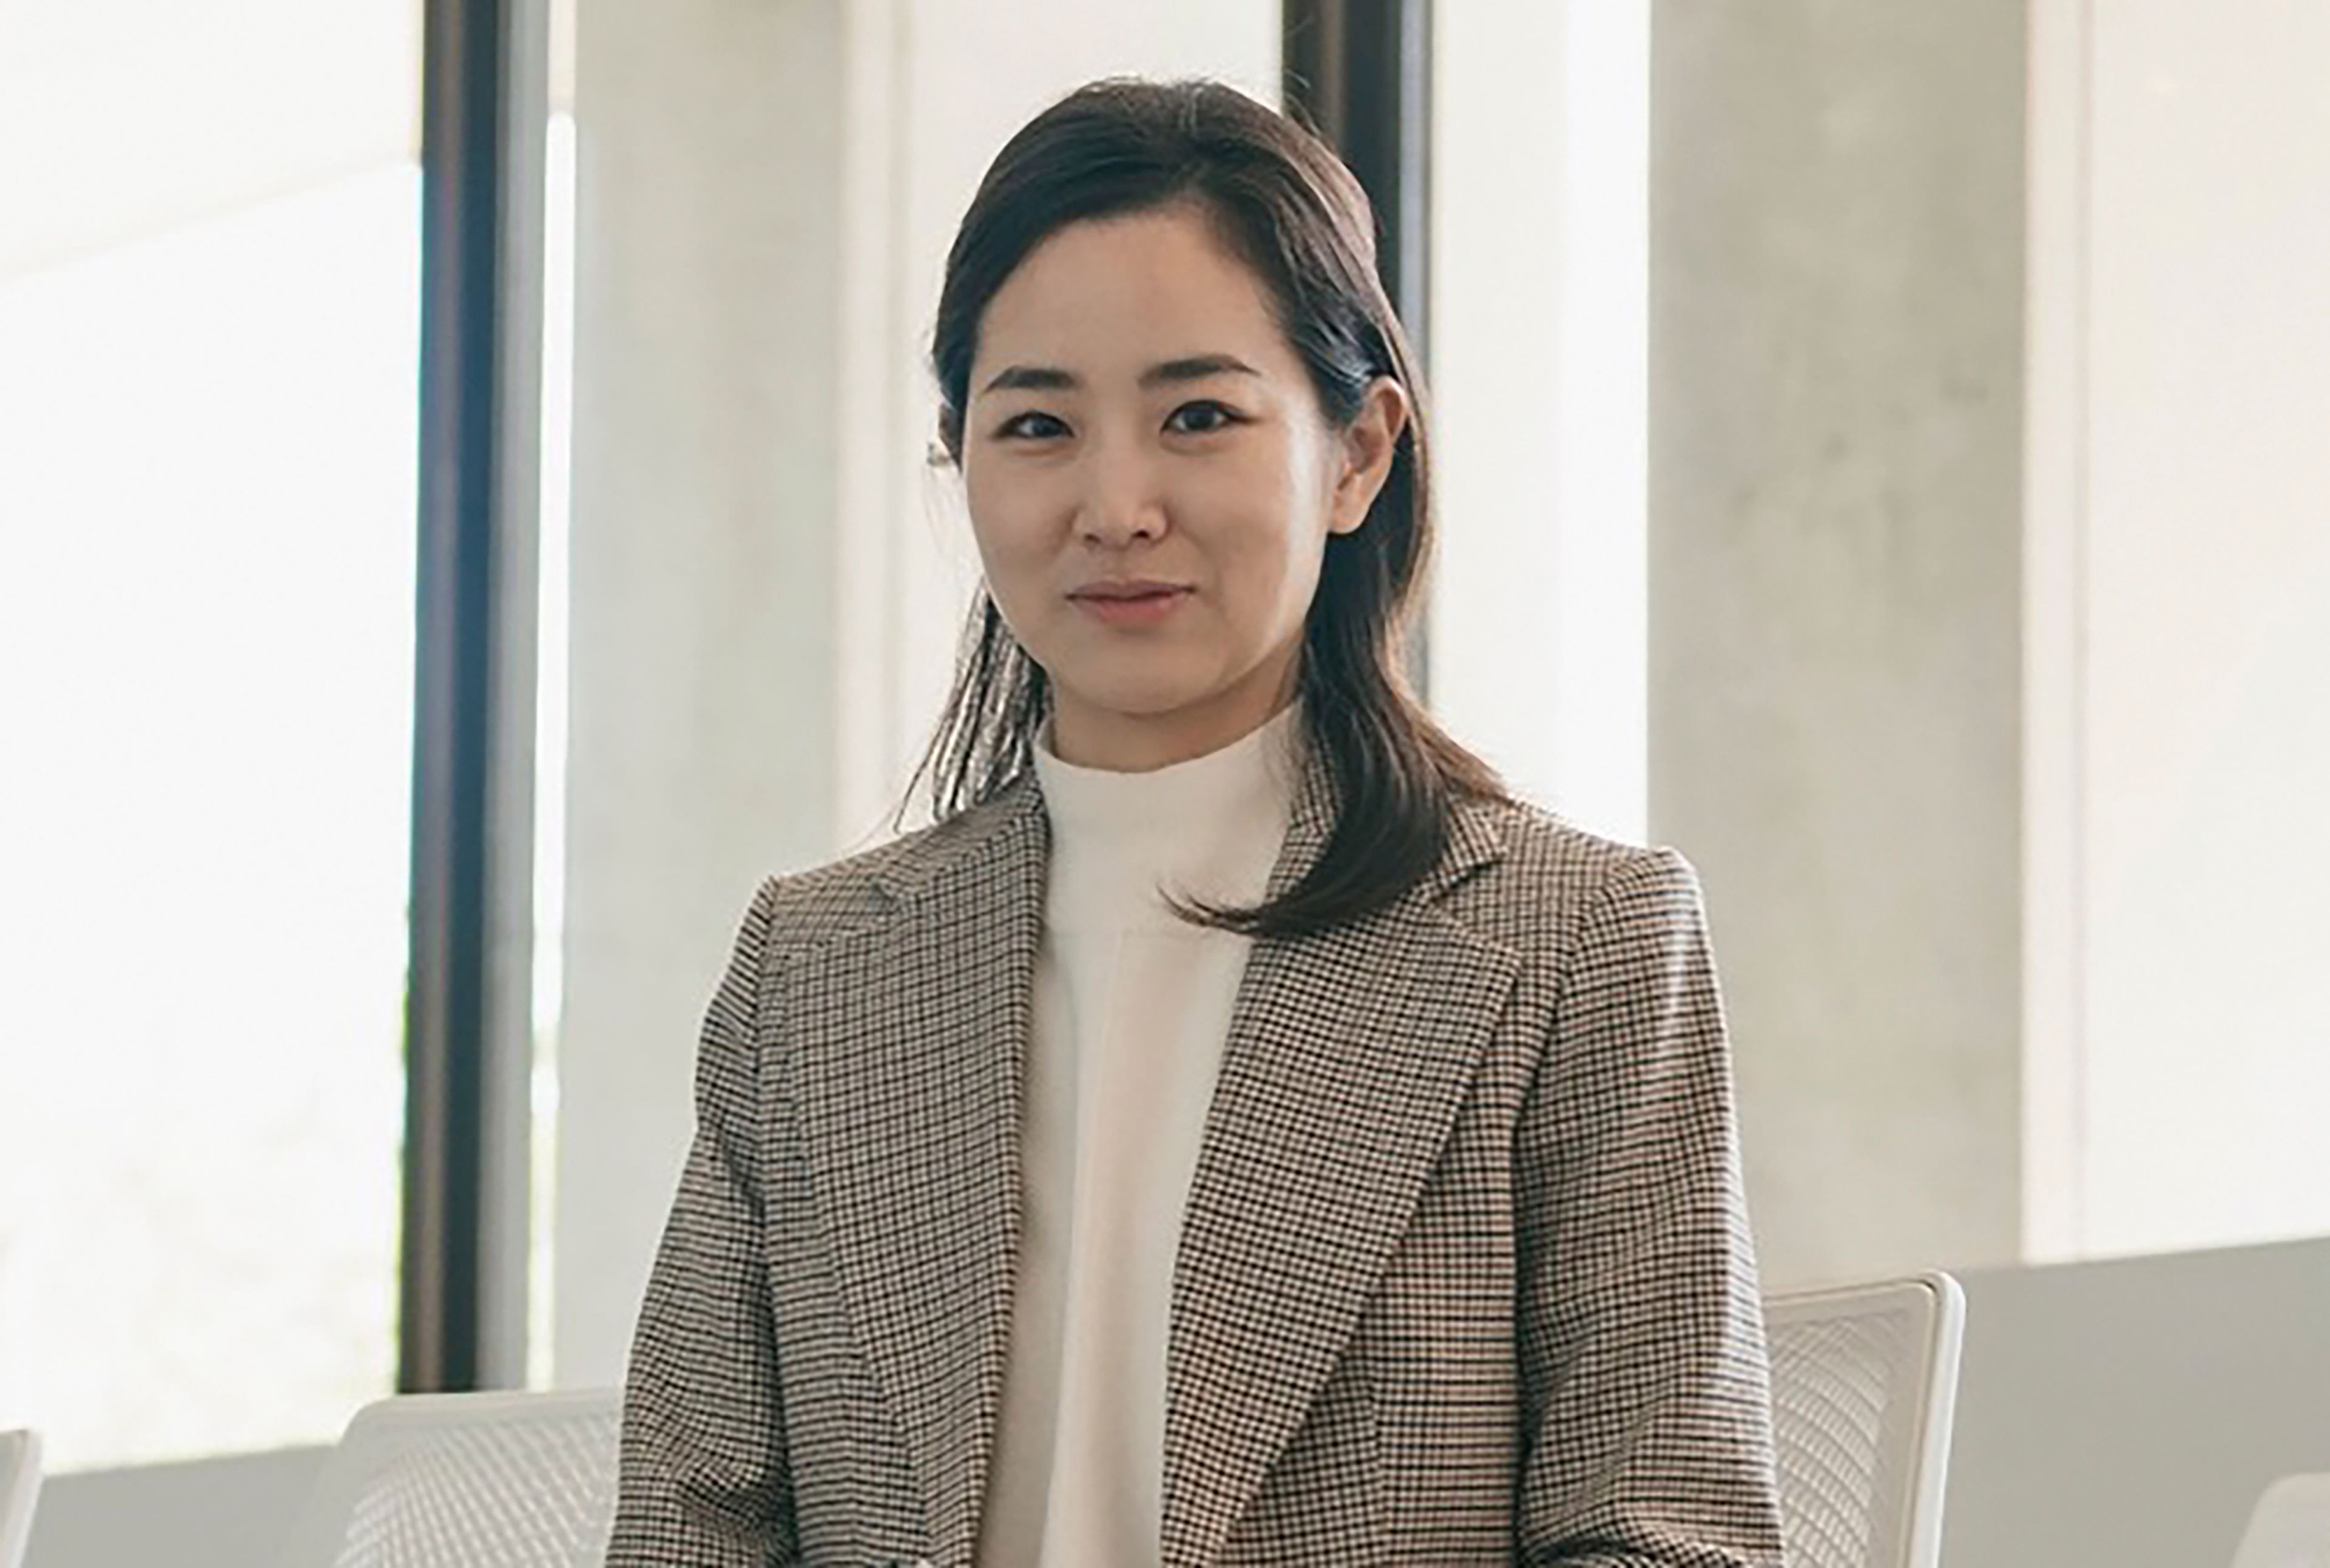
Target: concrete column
{"type": "Point", "coordinates": [1834, 566]}
{"type": "Point", "coordinates": [708, 193]}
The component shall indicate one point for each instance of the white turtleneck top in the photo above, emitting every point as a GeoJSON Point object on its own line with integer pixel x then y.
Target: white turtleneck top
{"type": "Point", "coordinates": [1131, 1009]}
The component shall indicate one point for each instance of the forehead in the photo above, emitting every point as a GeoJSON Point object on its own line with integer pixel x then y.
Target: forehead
{"type": "Point", "coordinates": [1107, 298]}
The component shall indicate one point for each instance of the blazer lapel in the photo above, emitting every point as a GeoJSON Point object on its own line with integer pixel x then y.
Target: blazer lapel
{"type": "Point", "coordinates": [905, 1039]}
{"type": "Point", "coordinates": [1347, 1057]}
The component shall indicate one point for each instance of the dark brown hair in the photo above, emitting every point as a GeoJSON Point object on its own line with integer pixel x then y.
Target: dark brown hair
{"type": "Point", "coordinates": [1280, 200]}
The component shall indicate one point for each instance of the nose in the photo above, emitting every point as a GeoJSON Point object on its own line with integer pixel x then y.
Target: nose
{"type": "Point", "coordinates": [1116, 525]}
{"type": "Point", "coordinates": [1121, 501]}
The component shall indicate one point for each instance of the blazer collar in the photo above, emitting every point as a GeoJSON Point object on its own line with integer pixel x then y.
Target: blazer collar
{"type": "Point", "coordinates": [1346, 1057]}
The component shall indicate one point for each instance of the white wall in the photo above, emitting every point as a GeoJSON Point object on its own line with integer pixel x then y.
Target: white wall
{"type": "Point", "coordinates": [1536, 342]}
{"type": "Point", "coordinates": [2180, 623]}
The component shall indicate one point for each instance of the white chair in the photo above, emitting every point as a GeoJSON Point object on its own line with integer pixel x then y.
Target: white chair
{"type": "Point", "coordinates": [1863, 1381]}
{"type": "Point", "coordinates": [446, 1480]}
{"type": "Point", "coordinates": [2290, 1527]}
{"type": "Point", "coordinates": [20, 1490]}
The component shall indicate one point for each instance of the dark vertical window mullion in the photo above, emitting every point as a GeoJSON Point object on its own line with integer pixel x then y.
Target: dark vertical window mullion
{"type": "Point", "coordinates": [1360, 72]}
{"type": "Point", "coordinates": [467, 1007]}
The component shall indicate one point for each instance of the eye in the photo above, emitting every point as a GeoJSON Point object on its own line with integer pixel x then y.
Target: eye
{"type": "Point", "coordinates": [1011, 426]}
{"type": "Point", "coordinates": [1227, 418]}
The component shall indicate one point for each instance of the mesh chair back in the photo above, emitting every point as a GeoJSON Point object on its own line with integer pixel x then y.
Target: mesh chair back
{"type": "Point", "coordinates": [20, 1490]}
{"type": "Point", "coordinates": [2291, 1525]}
{"type": "Point", "coordinates": [1863, 1381]}
{"type": "Point", "coordinates": [481, 1481]}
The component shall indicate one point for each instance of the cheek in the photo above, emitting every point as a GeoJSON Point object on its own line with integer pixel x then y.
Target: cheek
{"type": "Point", "coordinates": [1257, 507]}
{"type": "Point", "coordinates": [1270, 570]}
{"type": "Point", "coordinates": [1004, 527]}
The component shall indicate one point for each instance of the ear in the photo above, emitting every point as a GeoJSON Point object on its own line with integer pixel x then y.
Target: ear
{"type": "Point", "coordinates": [1367, 448]}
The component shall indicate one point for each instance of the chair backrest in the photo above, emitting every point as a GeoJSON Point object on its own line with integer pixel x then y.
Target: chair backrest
{"type": "Point", "coordinates": [2291, 1525]}
{"type": "Point", "coordinates": [20, 1490]}
{"type": "Point", "coordinates": [1863, 1381]}
{"type": "Point", "coordinates": [519, 1480]}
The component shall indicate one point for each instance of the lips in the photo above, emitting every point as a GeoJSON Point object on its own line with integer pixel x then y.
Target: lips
{"type": "Point", "coordinates": [1128, 592]}
{"type": "Point", "coordinates": [1127, 604]}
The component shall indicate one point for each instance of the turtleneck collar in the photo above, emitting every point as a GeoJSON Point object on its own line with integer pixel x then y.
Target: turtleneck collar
{"type": "Point", "coordinates": [1209, 827]}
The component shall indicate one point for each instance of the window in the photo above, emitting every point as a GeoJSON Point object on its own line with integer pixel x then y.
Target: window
{"type": "Point", "coordinates": [208, 351]}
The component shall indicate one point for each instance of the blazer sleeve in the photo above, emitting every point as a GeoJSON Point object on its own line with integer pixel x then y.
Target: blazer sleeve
{"type": "Point", "coordinates": [702, 1478]}
{"type": "Point", "coordinates": [1646, 1405]}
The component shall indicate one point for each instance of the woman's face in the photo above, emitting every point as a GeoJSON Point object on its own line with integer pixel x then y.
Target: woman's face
{"type": "Point", "coordinates": [1135, 413]}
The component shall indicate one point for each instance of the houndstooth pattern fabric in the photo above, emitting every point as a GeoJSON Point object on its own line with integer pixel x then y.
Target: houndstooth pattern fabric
{"type": "Point", "coordinates": [1464, 1277]}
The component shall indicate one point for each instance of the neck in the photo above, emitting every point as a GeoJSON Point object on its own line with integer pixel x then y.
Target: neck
{"type": "Point", "coordinates": [1095, 737]}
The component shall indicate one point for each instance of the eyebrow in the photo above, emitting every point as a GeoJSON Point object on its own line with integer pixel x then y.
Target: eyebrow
{"type": "Point", "coordinates": [1051, 377]}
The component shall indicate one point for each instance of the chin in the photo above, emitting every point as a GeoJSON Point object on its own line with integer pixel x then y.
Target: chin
{"type": "Point", "coordinates": [1141, 698]}
{"type": "Point", "coordinates": [1144, 704]}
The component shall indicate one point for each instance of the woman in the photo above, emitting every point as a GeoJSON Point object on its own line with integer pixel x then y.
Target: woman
{"type": "Point", "coordinates": [1237, 1131]}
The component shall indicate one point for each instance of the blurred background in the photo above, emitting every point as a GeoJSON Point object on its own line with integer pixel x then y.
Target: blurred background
{"type": "Point", "coordinates": [454, 543]}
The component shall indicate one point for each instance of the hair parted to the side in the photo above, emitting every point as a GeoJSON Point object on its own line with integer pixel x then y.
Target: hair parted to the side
{"type": "Point", "coordinates": [1280, 200]}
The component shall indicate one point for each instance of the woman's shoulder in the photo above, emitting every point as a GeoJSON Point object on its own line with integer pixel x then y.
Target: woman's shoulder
{"type": "Point", "coordinates": [1551, 871]}
{"type": "Point", "coordinates": [810, 906]}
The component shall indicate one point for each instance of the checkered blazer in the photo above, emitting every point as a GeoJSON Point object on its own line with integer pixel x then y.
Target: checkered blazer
{"type": "Point", "coordinates": [1465, 1277]}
